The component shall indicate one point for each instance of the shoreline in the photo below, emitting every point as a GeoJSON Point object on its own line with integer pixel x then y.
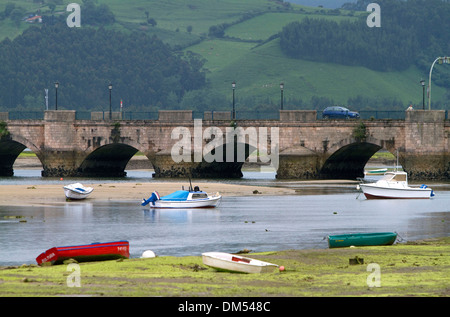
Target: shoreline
{"type": "Point", "coordinates": [41, 194]}
{"type": "Point", "coordinates": [132, 190]}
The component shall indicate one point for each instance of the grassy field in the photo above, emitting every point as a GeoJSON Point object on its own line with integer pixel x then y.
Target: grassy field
{"type": "Point", "coordinates": [176, 14]}
{"type": "Point", "coordinates": [259, 71]}
{"type": "Point", "coordinates": [263, 26]}
{"type": "Point", "coordinates": [415, 269]}
{"type": "Point", "coordinates": [257, 68]}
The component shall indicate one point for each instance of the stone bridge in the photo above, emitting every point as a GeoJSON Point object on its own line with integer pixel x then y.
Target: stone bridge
{"type": "Point", "coordinates": [298, 145]}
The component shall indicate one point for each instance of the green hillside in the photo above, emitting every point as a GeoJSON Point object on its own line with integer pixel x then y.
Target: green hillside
{"type": "Point", "coordinates": [249, 52]}
{"type": "Point", "coordinates": [259, 71]}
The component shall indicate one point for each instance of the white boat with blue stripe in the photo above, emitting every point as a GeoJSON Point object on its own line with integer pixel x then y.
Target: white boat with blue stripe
{"type": "Point", "coordinates": [77, 191]}
{"type": "Point", "coordinates": [183, 199]}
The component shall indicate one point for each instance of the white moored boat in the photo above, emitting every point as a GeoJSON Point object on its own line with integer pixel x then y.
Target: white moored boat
{"type": "Point", "coordinates": [234, 263]}
{"type": "Point", "coordinates": [77, 191]}
{"type": "Point", "coordinates": [183, 199]}
{"type": "Point", "coordinates": [394, 185]}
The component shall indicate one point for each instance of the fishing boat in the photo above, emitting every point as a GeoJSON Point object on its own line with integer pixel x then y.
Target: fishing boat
{"type": "Point", "coordinates": [183, 199]}
{"type": "Point", "coordinates": [394, 185]}
{"type": "Point", "coordinates": [235, 263]}
{"type": "Point", "coordinates": [379, 171]}
{"type": "Point", "coordinates": [77, 191]}
{"type": "Point", "coordinates": [361, 239]}
{"type": "Point", "coordinates": [86, 253]}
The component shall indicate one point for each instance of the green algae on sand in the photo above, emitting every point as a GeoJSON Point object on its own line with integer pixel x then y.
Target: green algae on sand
{"type": "Point", "coordinates": [420, 268]}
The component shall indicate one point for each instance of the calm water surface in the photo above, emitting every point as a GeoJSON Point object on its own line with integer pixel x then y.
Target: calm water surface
{"type": "Point", "coordinates": [258, 223]}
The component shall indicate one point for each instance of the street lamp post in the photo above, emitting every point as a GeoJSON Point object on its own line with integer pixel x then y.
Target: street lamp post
{"type": "Point", "coordinates": [233, 86]}
{"type": "Point", "coordinates": [110, 107]}
{"type": "Point", "coordinates": [281, 102]}
{"type": "Point", "coordinates": [46, 98]}
{"type": "Point", "coordinates": [442, 60]}
{"type": "Point", "coordinates": [56, 95]}
{"type": "Point", "coordinates": [422, 82]}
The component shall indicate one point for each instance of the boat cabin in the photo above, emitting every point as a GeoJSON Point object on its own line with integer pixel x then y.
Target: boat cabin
{"type": "Point", "coordinates": [183, 195]}
{"type": "Point", "coordinates": [199, 195]}
{"type": "Point", "coordinates": [395, 177]}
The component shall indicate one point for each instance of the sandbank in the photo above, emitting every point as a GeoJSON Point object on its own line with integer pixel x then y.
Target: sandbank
{"type": "Point", "coordinates": [42, 194]}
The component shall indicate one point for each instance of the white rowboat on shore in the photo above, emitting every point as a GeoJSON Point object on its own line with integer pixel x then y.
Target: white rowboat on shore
{"type": "Point", "coordinates": [77, 191]}
{"type": "Point", "coordinates": [234, 263]}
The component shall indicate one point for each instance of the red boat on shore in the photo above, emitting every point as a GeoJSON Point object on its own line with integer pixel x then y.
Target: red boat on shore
{"type": "Point", "coordinates": [86, 253]}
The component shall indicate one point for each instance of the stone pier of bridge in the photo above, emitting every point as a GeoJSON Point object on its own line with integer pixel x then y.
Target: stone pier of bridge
{"type": "Point", "coordinates": [298, 145]}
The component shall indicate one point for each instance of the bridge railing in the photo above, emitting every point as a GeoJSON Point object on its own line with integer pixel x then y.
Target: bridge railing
{"type": "Point", "coordinates": [378, 114]}
{"type": "Point", "coordinates": [224, 115]}
{"type": "Point", "coordinates": [26, 115]}
{"type": "Point", "coordinates": [124, 115]}
{"type": "Point", "coordinates": [153, 115]}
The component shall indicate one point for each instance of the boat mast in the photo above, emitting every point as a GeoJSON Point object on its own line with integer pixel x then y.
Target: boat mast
{"type": "Point", "coordinates": [190, 184]}
{"type": "Point", "coordinates": [396, 166]}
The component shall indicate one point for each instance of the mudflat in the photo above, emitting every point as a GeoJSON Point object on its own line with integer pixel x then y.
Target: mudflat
{"type": "Point", "coordinates": [41, 194]}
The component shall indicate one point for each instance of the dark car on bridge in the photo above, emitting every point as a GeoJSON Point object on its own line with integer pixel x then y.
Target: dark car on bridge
{"type": "Point", "coordinates": [337, 112]}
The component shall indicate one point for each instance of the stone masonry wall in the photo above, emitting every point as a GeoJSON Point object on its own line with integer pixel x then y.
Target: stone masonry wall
{"type": "Point", "coordinates": [63, 143]}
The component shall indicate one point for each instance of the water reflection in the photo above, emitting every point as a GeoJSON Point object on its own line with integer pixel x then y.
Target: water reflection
{"type": "Point", "coordinates": [78, 209]}
{"type": "Point", "coordinates": [168, 215]}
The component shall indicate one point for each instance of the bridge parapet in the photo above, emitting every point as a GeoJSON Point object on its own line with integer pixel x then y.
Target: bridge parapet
{"type": "Point", "coordinates": [217, 115]}
{"type": "Point", "coordinates": [60, 115]}
{"type": "Point", "coordinates": [425, 116]}
{"type": "Point", "coordinates": [174, 115]}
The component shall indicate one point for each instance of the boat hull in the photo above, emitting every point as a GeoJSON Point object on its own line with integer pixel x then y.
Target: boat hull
{"type": "Point", "coordinates": [372, 191]}
{"type": "Point", "coordinates": [201, 203]}
{"type": "Point", "coordinates": [361, 239]}
{"type": "Point", "coordinates": [234, 263]}
{"type": "Point", "coordinates": [74, 195]}
{"type": "Point", "coordinates": [86, 253]}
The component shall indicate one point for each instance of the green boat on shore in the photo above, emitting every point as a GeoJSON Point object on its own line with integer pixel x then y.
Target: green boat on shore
{"type": "Point", "coordinates": [361, 239]}
{"type": "Point", "coordinates": [379, 171]}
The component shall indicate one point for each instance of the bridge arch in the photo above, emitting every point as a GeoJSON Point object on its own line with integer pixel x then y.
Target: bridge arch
{"type": "Point", "coordinates": [108, 160]}
{"type": "Point", "coordinates": [344, 159]}
{"type": "Point", "coordinates": [234, 155]}
{"type": "Point", "coordinates": [214, 163]}
{"type": "Point", "coordinates": [348, 161]}
{"type": "Point", "coordinates": [10, 148]}
{"type": "Point", "coordinates": [349, 156]}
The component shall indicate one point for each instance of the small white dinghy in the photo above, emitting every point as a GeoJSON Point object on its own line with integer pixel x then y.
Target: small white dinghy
{"type": "Point", "coordinates": [77, 191]}
{"type": "Point", "coordinates": [234, 263]}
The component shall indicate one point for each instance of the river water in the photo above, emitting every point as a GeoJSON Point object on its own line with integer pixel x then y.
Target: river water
{"type": "Point", "coordinates": [258, 223]}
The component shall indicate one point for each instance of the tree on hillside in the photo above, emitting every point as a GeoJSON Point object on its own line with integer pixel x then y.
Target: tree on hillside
{"type": "Point", "coordinates": [143, 70]}
{"type": "Point", "coordinates": [96, 15]}
{"type": "Point", "coordinates": [412, 32]}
